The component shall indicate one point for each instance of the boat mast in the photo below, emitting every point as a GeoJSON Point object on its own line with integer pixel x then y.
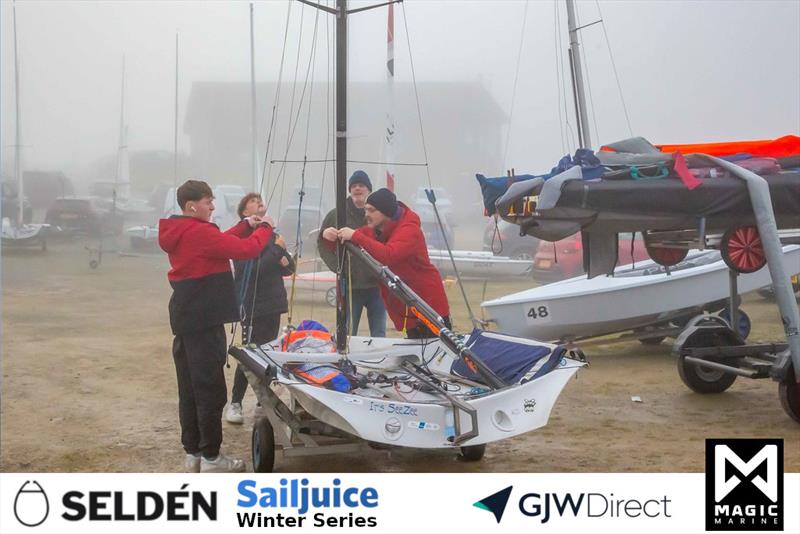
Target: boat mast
{"type": "Point", "coordinates": [341, 164]}
{"type": "Point", "coordinates": [122, 141]}
{"type": "Point", "coordinates": [256, 184]}
{"type": "Point", "coordinates": [585, 139]}
{"type": "Point", "coordinates": [18, 129]}
{"type": "Point", "coordinates": [175, 139]}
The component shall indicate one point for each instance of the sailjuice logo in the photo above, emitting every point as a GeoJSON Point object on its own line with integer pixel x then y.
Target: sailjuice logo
{"type": "Point", "coordinates": [495, 503]}
{"type": "Point", "coordinates": [292, 501]}
{"type": "Point", "coordinates": [744, 484]}
{"type": "Point", "coordinates": [31, 506]}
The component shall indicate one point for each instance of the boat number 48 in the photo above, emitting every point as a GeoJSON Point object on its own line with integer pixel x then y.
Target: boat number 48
{"type": "Point", "coordinates": [538, 312]}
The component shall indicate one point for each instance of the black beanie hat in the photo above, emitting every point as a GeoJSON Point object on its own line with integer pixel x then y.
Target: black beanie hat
{"type": "Point", "coordinates": [359, 177]}
{"type": "Point", "coordinates": [384, 201]}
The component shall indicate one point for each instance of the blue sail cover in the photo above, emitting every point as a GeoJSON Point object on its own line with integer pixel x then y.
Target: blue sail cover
{"type": "Point", "coordinates": [494, 188]}
{"type": "Point", "coordinates": [509, 357]}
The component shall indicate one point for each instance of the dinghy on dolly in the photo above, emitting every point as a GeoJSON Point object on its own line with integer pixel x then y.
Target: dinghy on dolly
{"type": "Point", "coordinates": [447, 392]}
{"type": "Point", "coordinates": [745, 216]}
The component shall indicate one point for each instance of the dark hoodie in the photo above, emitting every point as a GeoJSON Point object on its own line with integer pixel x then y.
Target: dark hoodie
{"type": "Point", "coordinates": [200, 275]}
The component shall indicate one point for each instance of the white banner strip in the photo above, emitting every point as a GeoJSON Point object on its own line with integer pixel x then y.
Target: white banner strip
{"type": "Point", "coordinates": [379, 503]}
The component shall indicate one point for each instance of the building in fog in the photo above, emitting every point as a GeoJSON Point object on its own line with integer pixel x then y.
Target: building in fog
{"type": "Point", "coordinates": [464, 131]}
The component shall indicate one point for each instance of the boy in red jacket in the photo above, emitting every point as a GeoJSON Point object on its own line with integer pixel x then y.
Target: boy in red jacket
{"type": "Point", "coordinates": [393, 236]}
{"type": "Point", "coordinates": [203, 300]}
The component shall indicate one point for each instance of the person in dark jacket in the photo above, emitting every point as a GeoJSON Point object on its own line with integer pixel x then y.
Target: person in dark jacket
{"type": "Point", "coordinates": [365, 292]}
{"type": "Point", "coordinates": [393, 236]}
{"type": "Point", "coordinates": [203, 300]}
{"type": "Point", "coordinates": [259, 284]}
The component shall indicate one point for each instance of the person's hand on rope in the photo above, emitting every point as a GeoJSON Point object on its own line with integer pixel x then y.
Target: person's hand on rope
{"type": "Point", "coordinates": [253, 220]}
{"type": "Point", "coordinates": [281, 242]}
{"type": "Point", "coordinates": [330, 234]}
{"type": "Point", "coordinates": [346, 234]}
{"type": "Point", "coordinates": [284, 261]}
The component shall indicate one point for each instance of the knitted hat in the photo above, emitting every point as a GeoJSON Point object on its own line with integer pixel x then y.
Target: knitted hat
{"type": "Point", "coordinates": [359, 177]}
{"type": "Point", "coordinates": [384, 201]}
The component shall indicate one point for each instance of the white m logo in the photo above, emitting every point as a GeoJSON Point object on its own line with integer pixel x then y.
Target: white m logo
{"type": "Point", "coordinates": [769, 487]}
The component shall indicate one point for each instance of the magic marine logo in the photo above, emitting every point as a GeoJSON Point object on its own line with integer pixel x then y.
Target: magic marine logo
{"type": "Point", "coordinates": [744, 484]}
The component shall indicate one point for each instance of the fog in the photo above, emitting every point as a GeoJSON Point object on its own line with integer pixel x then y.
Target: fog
{"type": "Point", "coordinates": [688, 72]}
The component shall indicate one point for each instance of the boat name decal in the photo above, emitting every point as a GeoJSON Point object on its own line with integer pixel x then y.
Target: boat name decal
{"type": "Point", "coordinates": [529, 405]}
{"type": "Point", "coordinates": [398, 409]}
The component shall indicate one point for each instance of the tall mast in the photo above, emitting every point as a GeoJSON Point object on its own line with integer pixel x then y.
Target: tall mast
{"type": "Point", "coordinates": [341, 161]}
{"type": "Point", "coordinates": [122, 149]}
{"type": "Point", "coordinates": [388, 135]}
{"type": "Point", "coordinates": [175, 139]}
{"type": "Point", "coordinates": [577, 72]}
{"type": "Point", "coordinates": [18, 129]}
{"type": "Point", "coordinates": [256, 184]}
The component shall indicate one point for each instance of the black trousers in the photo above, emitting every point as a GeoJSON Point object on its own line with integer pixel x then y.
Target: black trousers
{"type": "Point", "coordinates": [420, 331]}
{"type": "Point", "coordinates": [199, 359]}
{"type": "Point", "coordinates": [265, 329]}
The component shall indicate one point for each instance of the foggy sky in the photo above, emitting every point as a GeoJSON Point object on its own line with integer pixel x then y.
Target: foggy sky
{"type": "Point", "coordinates": [689, 71]}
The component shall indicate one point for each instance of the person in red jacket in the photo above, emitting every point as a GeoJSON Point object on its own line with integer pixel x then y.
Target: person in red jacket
{"type": "Point", "coordinates": [393, 236]}
{"type": "Point", "coordinates": [203, 300]}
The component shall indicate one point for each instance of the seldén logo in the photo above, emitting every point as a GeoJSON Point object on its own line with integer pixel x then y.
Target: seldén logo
{"type": "Point", "coordinates": [744, 484]}
{"type": "Point", "coordinates": [495, 503]}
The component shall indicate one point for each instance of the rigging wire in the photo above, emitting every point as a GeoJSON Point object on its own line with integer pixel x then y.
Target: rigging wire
{"type": "Point", "coordinates": [588, 75]}
{"type": "Point", "coordinates": [516, 79]}
{"type": "Point", "coordinates": [265, 174]}
{"type": "Point", "coordinates": [431, 197]}
{"type": "Point", "coordinates": [614, 68]}
{"type": "Point", "coordinates": [571, 138]}
{"type": "Point", "coordinates": [558, 77]}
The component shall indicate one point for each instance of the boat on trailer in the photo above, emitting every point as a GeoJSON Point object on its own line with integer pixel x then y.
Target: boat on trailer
{"type": "Point", "coordinates": [479, 264]}
{"type": "Point", "coordinates": [449, 392]}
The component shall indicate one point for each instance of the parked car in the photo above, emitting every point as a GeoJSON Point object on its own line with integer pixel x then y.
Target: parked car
{"type": "Point", "coordinates": [310, 219]}
{"type": "Point", "coordinates": [564, 259]}
{"type": "Point", "coordinates": [504, 240]}
{"type": "Point", "coordinates": [90, 216]}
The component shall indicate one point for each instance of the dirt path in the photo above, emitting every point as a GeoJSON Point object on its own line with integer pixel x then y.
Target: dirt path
{"type": "Point", "coordinates": [88, 384]}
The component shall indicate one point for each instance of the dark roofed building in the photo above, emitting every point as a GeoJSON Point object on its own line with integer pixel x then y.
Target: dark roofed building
{"type": "Point", "coordinates": [464, 129]}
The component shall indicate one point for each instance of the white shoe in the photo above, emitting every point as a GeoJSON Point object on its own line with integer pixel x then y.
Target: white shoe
{"type": "Point", "coordinates": [192, 463]}
{"type": "Point", "coordinates": [221, 464]}
{"type": "Point", "coordinates": [234, 413]}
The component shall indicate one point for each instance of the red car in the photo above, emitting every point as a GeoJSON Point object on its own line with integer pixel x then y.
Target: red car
{"type": "Point", "coordinates": [564, 259]}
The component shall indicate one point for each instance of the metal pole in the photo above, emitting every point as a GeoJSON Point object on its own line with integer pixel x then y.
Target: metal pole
{"type": "Point", "coordinates": [253, 101]}
{"type": "Point", "coordinates": [175, 140]}
{"type": "Point", "coordinates": [576, 57]}
{"type": "Point", "coordinates": [341, 164]}
{"type": "Point", "coordinates": [18, 130]}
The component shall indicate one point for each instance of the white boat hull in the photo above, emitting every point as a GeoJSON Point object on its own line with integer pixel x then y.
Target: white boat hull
{"type": "Point", "coordinates": [424, 420]}
{"type": "Point", "coordinates": [25, 235]}
{"type": "Point", "coordinates": [580, 307]}
{"type": "Point", "coordinates": [478, 264]}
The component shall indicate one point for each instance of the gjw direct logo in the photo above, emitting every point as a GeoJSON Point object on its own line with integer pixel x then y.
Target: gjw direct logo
{"type": "Point", "coordinates": [546, 506]}
{"type": "Point", "coordinates": [744, 484]}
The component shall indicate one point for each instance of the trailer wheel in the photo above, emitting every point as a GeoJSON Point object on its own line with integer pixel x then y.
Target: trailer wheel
{"type": "Point", "coordinates": [743, 319]}
{"type": "Point", "coordinates": [263, 446]}
{"type": "Point", "coordinates": [698, 378]}
{"type": "Point", "coordinates": [742, 250]}
{"type": "Point", "coordinates": [94, 264]}
{"type": "Point", "coordinates": [330, 296]}
{"type": "Point", "coordinates": [789, 392]}
{"type": "Point", "coordinates": [472, 453]}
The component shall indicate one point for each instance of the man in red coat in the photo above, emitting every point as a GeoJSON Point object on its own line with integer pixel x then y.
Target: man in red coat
{"type": "Point", "coordinates": [203, 300]}
{"type": "Point", "coordinates": [393, 236]}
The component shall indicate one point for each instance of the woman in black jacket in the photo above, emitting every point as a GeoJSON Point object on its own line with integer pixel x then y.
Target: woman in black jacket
{"type": "Point", "coordinates": [259, 284]}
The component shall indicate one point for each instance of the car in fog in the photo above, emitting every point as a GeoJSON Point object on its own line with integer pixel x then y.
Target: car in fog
{"type": "Point", "coordinates": [564, 258]}
{"type": "Point", "coordinates": [310, 218]}
{"type": "Point", "coordinates": [90, 216]}
{"type": "Point", "coordinates": [503, 239]}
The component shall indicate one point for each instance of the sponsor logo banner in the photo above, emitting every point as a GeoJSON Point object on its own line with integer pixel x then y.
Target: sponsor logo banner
{"type": "Point", "coordinates": [369, 503]}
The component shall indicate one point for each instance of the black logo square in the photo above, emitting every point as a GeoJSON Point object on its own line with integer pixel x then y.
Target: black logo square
{"type": "Point", "coordinates": [744, 484]}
